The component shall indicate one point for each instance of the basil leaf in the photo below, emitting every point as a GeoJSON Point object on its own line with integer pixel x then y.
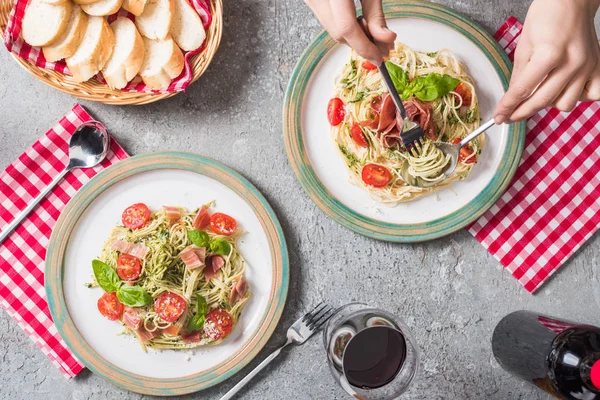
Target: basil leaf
{"type": "Point", "coordinates": [433, 86]}
{"type": "Point", "coordinates": [202, 306]}
{"type": "Point", "coordinates": [133, 296]}
{"type": "Point", "coordinates": [220, 246]}
{"type": "Point", "coordinates": [199, 238]}
{"type": "Point", "coordinates": [196, 323]}
{"type": "Point", "coordinates": [106, 277]}
{"type": "Point", "coordinates": [398, 75]}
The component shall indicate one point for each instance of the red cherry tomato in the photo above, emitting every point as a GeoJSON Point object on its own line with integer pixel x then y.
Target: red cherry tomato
{"type": "Point", "coordinates": [375, 175]}
{"type": "Point", "coordinates": [169, 306]}
{"type": "Point", "coordinates": [465, 92]}
{"type": "Point", "coordinates": [465, 153]}
{"type": "Point", "coordinates": [368, 65]}
{"type": "Point", "coordinates": [218, 324]}
{"type": "Point", "coordinates": [128, 267]}
{"type": "Point", "coordinates": [358, 136]}
{"type": "Point", "coordinates": [110, 306]}
{"type": "Point", "coordinates": [222, 224]}
{"type": "Point", "coordinates": [336, 111]}
{"type": "Point", "coordinates": [136, 216]}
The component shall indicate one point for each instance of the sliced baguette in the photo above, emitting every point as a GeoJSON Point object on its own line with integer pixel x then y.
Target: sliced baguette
{"type": "Point", "coordinates": [84, 1]}
{"type": "Point", "coordinates": [55, 1]}
{"type": "Point", "coordinates": [67, 43]}
{"type": "Point", "coordinates": [155, 21]}
{"type": "Point", "coordinates": [43, 23]}
{"type": "Point", "coordinates": [93, 51]}
{"type": "Point", "coordinates": [163, 61]}
{"type": "Point", "coordinates": [186, 28]}
{"type": "Point", "coordinates": [127, 56]}
{"type": "Point", "coordinates": [136, 7]}
{"type": "Point", "coordinates": [102, 7]}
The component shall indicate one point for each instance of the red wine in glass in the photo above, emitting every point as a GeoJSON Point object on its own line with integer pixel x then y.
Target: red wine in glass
{"type": "Point", "coordinates": [371, 353]}
{"type": "Point", "coordinates": [560, 357]}
{"type": "Point", "coordinates": [374, 356]}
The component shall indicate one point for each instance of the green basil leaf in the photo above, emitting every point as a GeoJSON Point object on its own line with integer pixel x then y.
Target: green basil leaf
{"type": "Point", "coordinates": [196, 323]}
{"type": "Point", "coordinates": [398, 75]}
{"type": "Point", "coordinates": [133, 296]}
{"type": "Point", "coordinates": [199, 238]}
{"type": "Point", "coordinates": [202, 306]}
{"type": "Point", "coordinates": [220, 246]}
{"type": "Point", "coordinates": [433, 86]}
{"type": "Point", "coordinates": [106, 277]}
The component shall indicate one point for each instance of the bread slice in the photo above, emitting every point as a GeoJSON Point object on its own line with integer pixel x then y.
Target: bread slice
{"type": "Point", "coordinates": [136, 7]}
{"type": "Point", "coordinates": [84, 1]}
{"type": "Point", "coordinates": [186, 28]}
{"type": "Point", "coordinates": [155, 21]}
{"type": "Point", "coordinates": [55, 1]}
{"type": "Point", "coordinates": [93, 51]}
{"type": "Point", "coordinates": [67, 43]}
{"type": "Point", "coordinates": [43, 22]}
{"type": "Point", "coordinates": [163, 61]}
{"type": "Point", "coordinates": [127, 56]}
{"type": "Point", "coordinates": [102, 7]}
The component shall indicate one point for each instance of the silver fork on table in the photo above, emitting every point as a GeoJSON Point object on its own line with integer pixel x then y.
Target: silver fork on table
{"type": "Point", "coordinates": [297, 334]}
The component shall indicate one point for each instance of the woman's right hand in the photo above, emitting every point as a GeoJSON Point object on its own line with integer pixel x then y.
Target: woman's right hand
{"type": "Point", "coordinates": [338, 17]}
{"type": "Point", "coordinates": [557, 59]}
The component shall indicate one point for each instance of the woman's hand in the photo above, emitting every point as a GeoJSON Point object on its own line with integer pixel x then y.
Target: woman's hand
{"type": "Point", "coordinates": [338, 17]}
{"type": "Point", "coordinates": [557, 57]}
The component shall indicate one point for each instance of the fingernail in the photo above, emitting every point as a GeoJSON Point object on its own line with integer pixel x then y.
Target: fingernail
{"type": "Point", "coordinates": [500, 119]}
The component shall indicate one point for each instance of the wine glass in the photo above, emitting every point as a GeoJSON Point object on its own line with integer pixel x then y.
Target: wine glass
{"type": "Point", "coordinates": [371, 353]}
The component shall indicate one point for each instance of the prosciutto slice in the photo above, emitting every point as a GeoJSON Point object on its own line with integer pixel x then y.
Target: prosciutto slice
{"type": "Point", "coordinates": [173, 213]}
{"type": "Point", "coordinates": [137, 250]}
{"type": "Point", "coordinates": [132, 320]}
{"type": "Point", "coordinates": [388, 122]}
{"type": "Point", "coordinates": [213, 265]}
{"type": "Point", "coordinates": [193, 257]}
{"type": "Point", "coordinates": [202, 219]}
{"type": "Point", "coordinates": [238, 290]}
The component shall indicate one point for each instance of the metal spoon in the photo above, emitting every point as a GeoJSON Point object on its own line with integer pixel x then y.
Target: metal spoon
{"type": "Point", "coordinates": [87, 148]}
{"type": "Point", "coordinates": [448, 149]}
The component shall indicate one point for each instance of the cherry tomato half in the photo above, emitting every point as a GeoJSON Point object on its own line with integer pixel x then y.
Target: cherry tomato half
{"type": "Point", "coordinates": [169, 306]}
{"type": "Point", "coordinates": [336, 111]}
{"type": "Point", "coordinates": [110, 306]}
{"type": "Point", "coordinates": [465, 153]}
{"type": "Point", "coordinates": [375, 175]}
{"type": "Point", "coordinates": [218, 324]}
{"type": "Point", "coordinates": [222, 224]}
{"type": "Point", "coordinates": [136, 216]}
{"type": "Point", "coordinates": [128, 267]}
{"type": "Point", "coordinates": [368, 65]}
{"type": "Point", "coordinates": [358, 136]}
{"type": "Point", "coordinates": [465, 92]}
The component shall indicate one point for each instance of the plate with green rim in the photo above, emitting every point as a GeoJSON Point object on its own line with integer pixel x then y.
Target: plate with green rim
{"type": "Point", "coordinates": [323, 174]}
{"type": "Point", "coordinates": [158, 179]}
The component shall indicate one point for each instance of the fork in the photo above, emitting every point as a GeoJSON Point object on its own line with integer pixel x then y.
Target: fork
{"type": "Point", "coordinates": [297, 334]}
{"type": "Point", "coordinates": [411, 132]}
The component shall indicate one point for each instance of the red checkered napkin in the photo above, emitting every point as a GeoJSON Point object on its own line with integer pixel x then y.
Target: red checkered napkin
{"type": "Point", "coordinates": [22, 254]}
{"type": "Point", "coordinates": [553, 204]}
{"type": "Point", "coordinates": [15, 44]}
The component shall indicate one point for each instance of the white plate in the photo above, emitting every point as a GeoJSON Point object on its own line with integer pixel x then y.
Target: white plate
{"type": "Point", "coordinates": [324, 174]}
{"type": "Point", "coordinates": [188, 181]}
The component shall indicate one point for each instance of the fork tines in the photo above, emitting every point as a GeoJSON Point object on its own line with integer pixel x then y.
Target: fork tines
{"type": "Point", "coordinates": [318, 316]}
{"type": "Point", "coordinates": [412, 136]}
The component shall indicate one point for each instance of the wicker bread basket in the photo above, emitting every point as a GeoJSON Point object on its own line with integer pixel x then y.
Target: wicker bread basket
{"type": "Point", "coordinates": [96, 91]}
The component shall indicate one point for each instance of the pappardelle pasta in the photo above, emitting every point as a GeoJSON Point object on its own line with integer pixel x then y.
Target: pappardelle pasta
{"type": "Point", "coordinates": [437, 93]}
{"type": "Point", "coordinates": [173, 278]}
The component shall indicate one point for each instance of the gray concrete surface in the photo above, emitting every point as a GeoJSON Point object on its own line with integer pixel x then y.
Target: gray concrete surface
{"type": "Point", "coordinates": [450, 291]}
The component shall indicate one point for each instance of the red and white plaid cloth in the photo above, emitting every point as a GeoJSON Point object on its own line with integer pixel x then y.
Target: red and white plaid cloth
{"type": "Point", "coordinates": [22, 254]}
{"type": "Point", "coordinates": [553, 204]}
{"type": "Point", "coordinates": [16, 45]}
